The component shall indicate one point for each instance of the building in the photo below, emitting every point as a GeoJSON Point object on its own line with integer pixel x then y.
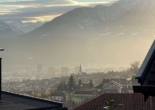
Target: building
{"type": "Point", "coordinates": [12, 101]}
{"type": "Point", "coordinates": [117, 85]}
{"type": "Point", "coordinates": [64, 71]}
{"type": "Point", "coordinates": [85, 86]}
{"type": "Point", "coordinates": [58, 97]}
{"type": "Point", "coordinates": [80, 96]}
{"type": "Point", "coordinates": [51, 71]}
{"type": "Point", "coordinates": [114, 87]}
{"type": "Point", "coordinates": [80, 70]}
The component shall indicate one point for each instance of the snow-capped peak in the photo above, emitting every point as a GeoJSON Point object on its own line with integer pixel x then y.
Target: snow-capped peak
{"type": "Point", "coordinates": [25, 27]}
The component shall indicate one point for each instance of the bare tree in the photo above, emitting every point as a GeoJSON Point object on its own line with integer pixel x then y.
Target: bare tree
{"type": "Point", "coordinates": [134, 67]}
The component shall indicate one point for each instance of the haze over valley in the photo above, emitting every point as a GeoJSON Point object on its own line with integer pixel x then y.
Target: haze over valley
{"type": "Point", "coordinates": [98, 36]}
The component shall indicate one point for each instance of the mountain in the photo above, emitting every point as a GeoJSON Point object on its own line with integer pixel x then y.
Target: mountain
{"type": "Point", "coordinates": [25, 27]}
{"type": "Point", "coordinates": [117, 34]}
{"type": "Point", "coordinates": [6, 31]}
{"type": "Point", "coordinates": [82, 20]}
{"type": "Point", "coordinates": [16, 28]}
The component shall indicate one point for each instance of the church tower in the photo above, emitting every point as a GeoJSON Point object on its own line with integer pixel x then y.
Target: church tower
{"type": "Point", "coordinates": [80, 70]}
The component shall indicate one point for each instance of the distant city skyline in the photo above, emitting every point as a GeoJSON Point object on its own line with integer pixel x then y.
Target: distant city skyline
{"type": "Point", "coordinates": [41, 10]}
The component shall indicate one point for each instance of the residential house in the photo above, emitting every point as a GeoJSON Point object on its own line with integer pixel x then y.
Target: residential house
{"type": "Point", "coordinates": [79, 96]}
{"type": "Point", "coordinates": [85, 87]}
{"type": "Point", "coordinates": [113, 86]}
{"type": "Point", "coordinates": [58, 97]}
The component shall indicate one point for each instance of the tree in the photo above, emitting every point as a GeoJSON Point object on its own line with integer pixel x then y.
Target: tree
{"type": "Point", "coordinates": [65, 87]}
{"type": "Point", "coordinates": [91, 84]}
{"type": "Point", "coordinates": [134, 67]}
{"type": "Point", "coordinates": [60, 87]}
{"type": "Point", "coordinates": [71, 84]}
{"type": "Point", "coordinates": [111, 106]}
{"type": "Point", "coordinates": [79, 83]}
{"type": "Point", "coordinates": [105, 81]}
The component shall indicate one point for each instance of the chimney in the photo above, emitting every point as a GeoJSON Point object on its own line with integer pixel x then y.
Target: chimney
{"type": "Point", "coordinates": [1, 73]}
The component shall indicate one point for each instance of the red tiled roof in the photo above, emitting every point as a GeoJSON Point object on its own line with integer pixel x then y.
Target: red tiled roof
{"type": "Point", "coordinates": [133, 101]}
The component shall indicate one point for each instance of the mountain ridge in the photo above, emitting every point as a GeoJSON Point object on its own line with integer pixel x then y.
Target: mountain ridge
{"type": "Point", "coordinates": [7, 31]}
{"type": "Point", "coordinates": [79, 19]}
{"type": "Point", "coordinates": [25, 27]}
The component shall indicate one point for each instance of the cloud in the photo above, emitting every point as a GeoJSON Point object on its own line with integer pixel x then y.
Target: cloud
{"type": "Point", "coordinates": [34, 10]}
{"type": "Point", "coordinates": [95, 2]}
{"type": "Point", "coordinates": [2, 12]}
{"type": "Point", "coordinates": [36, 3]}
{"type": "Point", "coordinates": [36, 13]}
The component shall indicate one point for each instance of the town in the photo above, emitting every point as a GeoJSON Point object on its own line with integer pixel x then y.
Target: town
{"type": "Point", "coordinates": [73, 89]}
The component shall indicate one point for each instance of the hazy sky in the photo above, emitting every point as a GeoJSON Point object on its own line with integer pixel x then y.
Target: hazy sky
{"type": "Point", "coordinates": [41, 10]}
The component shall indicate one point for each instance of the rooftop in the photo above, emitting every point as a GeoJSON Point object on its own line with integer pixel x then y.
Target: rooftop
{"type": "Point", "coordinates": [143, 71]}
{"type": "Point", "coordinates": [130, 101]}
{"type": "Point", "coordinates": [11, 101]}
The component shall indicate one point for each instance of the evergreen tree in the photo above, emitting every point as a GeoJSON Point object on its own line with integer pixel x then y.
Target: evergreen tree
{"type": "Point", "coordinates": [80, 83]}
{"type": "Point", "coordinates": [71, 84]}
{"type": "Point", "coordinates": [105, 81]}
{"type": "Point", "coordinates": [60, 87]}
{"type": "Point", "coordinates": [91, 84]}
{"type": "Point", "coordinates": [65, 86]}
{"type": "Point", "coordinates": [73, 102]}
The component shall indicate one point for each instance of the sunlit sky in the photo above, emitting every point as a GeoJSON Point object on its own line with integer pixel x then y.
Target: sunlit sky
{"type": "Point", "coordinates": [41, 10]}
